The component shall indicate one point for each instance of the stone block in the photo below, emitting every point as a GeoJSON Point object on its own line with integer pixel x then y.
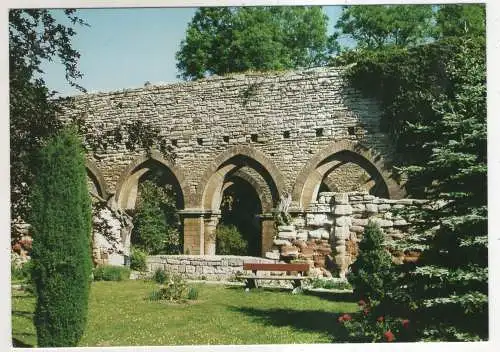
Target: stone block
{"type": "Point", "coordinates": [278, 242]}
{"type": "Point", "coordinates": [343, 210]}
{"type": "Point", "coordinates": [299, 222]}
{"type": "Point", "coordinates": [343, 221]}
{"type": "Point", "coordinates": [357, 229]}
{"type": "Point", "coordinates": [190, 269]}
{"type": "Point", "coordinates": [371, 208]}
{"type": "Point", "coordinates": [383, 207]}
{"type": "Point", "coordinates": [340, 249]}
{"type": "Point", "coordinates": [398, 206]}
{"type": "Point", "coordinates": [341, 232]}
{"type": "Point", "coordinates": [359, 222]}
{"type": "Point", "coordinates": [400, 222]}
{"type": "Point", "coordinates": [316, 219]}
{"type": "Point", "coordinates": [272, 255]}
{"type": "Point", "coordinates": [287, 235]}
{"type": "Point", "coordinates": [302, 235]}
{"type": "Point", "coordinates": [319, 233]}
{"type": "Point", "coordinates": [383, 222]}
{"type": "Point", "coordinates": [358, 208]}
{"type": "Point", "coordinates": [368, 197]}
{"type": "Point", "coordinates": [341, 198]}
{"type": "Point", "coordinates": [286, 228]}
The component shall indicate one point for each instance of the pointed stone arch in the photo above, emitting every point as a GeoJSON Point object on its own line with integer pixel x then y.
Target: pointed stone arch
{"type": "Point", "coordinates": [231, 160]}
{"type": "Point", "coordinates": [126, 189]}
{"type": "Point", "coordinates": [310, 177]}
{"type": "Point", "coordinates": [97, 179]}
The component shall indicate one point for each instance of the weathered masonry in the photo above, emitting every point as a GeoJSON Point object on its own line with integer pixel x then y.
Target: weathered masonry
{"type": "Point", "coordinates": [285, 135]}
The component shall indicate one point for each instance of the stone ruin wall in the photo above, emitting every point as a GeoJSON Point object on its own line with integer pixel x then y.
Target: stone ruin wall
{"type": "Point", "coordinates": [327, 234]}
{"type": "Point", "coordinates": [288, 116]}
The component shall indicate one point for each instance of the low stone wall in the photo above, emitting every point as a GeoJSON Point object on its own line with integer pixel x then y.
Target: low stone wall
{"type": "Point", "coordinates": [214, 267]}
{"type": "Point", "coordinates": [328, 232]}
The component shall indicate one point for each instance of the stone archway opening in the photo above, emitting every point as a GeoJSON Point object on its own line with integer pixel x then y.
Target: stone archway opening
{"type": "Point", "coordinates": [241, 207]}
{"type": "Point", "coordinates": [153, 184]}
{"type": "Point", "coordinates": [347, 172]}
{"type": "Point", "coordinates": [252, 182]}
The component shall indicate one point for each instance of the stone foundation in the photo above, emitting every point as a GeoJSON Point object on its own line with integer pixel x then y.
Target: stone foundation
{"type": "Point", "coordinates": [206, 267]}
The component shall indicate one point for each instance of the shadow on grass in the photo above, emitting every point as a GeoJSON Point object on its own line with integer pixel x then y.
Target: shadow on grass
{"type": "Point", "coordinates": [305, 320]}
{"type": "Point", "coordinates": [18, 343]}
{"type": "Point", "coordinates": [332, 296]}
{"type": "Point", "coordinates": [22, 313]}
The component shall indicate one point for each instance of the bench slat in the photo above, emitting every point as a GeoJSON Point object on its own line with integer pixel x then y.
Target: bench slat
{"type": "Point", "coordinates": [273, 277]}
{"type": "Point", "coordinates": [276, 267]}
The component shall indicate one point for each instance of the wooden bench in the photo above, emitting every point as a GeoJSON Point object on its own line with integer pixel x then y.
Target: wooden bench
{"type": "Point", "coordinates": [300, 268]}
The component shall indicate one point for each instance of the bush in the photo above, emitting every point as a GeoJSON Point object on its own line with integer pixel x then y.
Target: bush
{"type": "Point", "coordinates": [230, 241]}
{"type": "Point", "coordinates": [111, 273]}
{"type": "Point", "coordinates": [138, 259]}
{"type": "Point", "coordinates": [173, 287]}
{"type": "Point", "coordinates": [156, 221]}
{"type": "Point", "coordinates": [61, 222]}
{"type": "Point", "coordinates": [160, 276]}
{"type": "Point", "coordinates": [193, 294]}
{"type": "Point", "coordinates": [372, 326]}
{"type": "Point", "coordinates": [371, 273]}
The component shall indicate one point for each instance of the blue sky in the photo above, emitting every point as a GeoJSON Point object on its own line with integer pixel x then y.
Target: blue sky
{"type": "Point", "coordinates": [124, 48]}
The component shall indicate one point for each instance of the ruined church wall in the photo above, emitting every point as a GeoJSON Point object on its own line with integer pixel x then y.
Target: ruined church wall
{"type": "Point", "coordinates": [288, 116]}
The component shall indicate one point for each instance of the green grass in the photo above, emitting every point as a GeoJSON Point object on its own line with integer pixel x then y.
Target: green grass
{"type": "Point", "coordinates": [120, 315]}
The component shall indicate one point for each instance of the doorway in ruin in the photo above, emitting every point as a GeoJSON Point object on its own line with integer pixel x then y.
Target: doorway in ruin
{"type": "Point", "coordinates": [241, 208]}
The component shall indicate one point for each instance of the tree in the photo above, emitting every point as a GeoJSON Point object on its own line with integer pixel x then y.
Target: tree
{"type": "Point", "coordinates": [375, 26]}
{"type": "Point", "coordinates": [371, 272]}
{"type": "Point", "coordinates": [434, 96]}
{"type": "Point", "coordinates": [61, 221]}
{"type": "Point", "coordinates": [156, 221]}
{"type": "Point", "coordinates": [222, 40]}
{"type": "Point", "coordinates": [460, 19]}
{"type": "Point", "coordinates": [34, 36]}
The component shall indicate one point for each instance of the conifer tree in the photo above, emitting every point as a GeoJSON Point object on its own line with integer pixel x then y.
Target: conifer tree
{"type": "Point", "coordinates": [61, 220]}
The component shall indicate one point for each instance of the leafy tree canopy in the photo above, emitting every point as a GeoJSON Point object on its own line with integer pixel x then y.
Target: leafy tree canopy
{"type": "Point", "coordinates": [458, 20]}
{"type": "Point", "coordinates": [223, 40]}
{"type": "Point", "coordinates": [34, 36]}
{"type": "Point", "coordinates": [375, 26]}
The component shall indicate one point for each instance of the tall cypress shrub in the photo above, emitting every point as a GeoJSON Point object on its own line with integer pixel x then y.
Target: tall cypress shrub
{"type": "Point", "coordinates": [61, 220]}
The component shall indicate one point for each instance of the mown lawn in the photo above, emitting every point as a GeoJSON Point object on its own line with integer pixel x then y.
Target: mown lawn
{"type": "Point", "coordinates": [120, 315]}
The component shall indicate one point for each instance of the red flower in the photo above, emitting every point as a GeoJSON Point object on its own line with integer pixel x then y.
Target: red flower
{"type": "Point", "coordinates": [366, 311]}
{"type": "Point", "coordinates": [346, 317]}
{"type": "Point", "coordinates": [406, 323]}
{"type": "Point", "coordinates": [380, 319]}
{"type": "Point", "coordinates": [340, 319]}
{"type": "Point", "coordinates": [361, 303]}
{"type": "Point", "coordinates": [389, 336]}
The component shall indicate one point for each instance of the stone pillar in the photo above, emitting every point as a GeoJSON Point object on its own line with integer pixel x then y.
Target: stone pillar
{"type": "Point", "coordinates": [267, 233]}
{"type": "Point", "coordinates": [194, 225]}
{"type": "Point", "coordinates": [342, 211]}
{"type": "Point", "coordinates": [209, 233]}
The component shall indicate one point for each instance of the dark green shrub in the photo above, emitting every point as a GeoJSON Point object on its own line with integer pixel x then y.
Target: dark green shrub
{"type": "Point", "coordinates": [111, 273]}
{"type": "Point", "coordinates": [160, 276]}
{"type": "Point", "coordinates": [193, 294]}
{"type": "Point", "coordinates": [371, 272]}
{"type": "Point", "coordinates": [138, 259]}
{"type": "Point", "coordinates": [230, 241]}
{"type": "Point", "coordinates": [61, 223]}
{"type": "Point", "coordinates": [156, 221]}
{"type": "Point", "coordinates": [330, 284]}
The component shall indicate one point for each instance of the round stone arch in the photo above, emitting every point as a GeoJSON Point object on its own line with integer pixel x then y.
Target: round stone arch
{"type": "Point", "coordinates": [98, 182]}
{"type": "Point", "coordinates": [126, 189]}
{"type": "Point", "coordinates": [309, 179]}
{"type": "Point", "coordinates": [227, 162]}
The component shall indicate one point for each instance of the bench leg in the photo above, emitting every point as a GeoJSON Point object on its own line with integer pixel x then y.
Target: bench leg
{"type": "Point", "coordinates": [251, 283]}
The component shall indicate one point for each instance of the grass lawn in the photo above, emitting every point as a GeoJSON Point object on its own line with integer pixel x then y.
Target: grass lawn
{"type": "Point", "coordinates": [119, 315]}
